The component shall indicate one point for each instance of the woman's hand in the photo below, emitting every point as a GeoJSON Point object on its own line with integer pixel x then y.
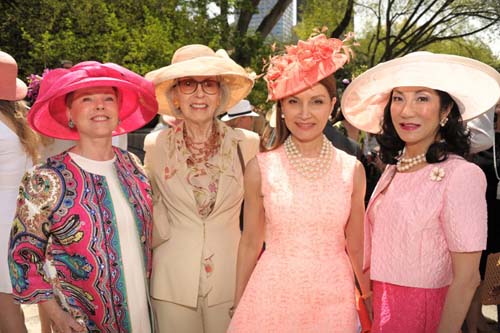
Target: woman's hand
{"type": "Point", "coordinates": [61, 321]}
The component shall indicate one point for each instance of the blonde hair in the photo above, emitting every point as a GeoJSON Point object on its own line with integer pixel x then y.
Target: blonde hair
{"type": "Point", "coordinates": [15, 113]}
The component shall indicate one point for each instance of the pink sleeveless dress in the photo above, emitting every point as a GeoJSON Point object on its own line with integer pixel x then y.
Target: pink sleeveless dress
{"type": "Point", "coordinates": [304, 281]}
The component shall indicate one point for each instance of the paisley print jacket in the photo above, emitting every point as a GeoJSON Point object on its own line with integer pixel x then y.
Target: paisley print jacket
{"type": "Point", "coordinates": [64, 240]}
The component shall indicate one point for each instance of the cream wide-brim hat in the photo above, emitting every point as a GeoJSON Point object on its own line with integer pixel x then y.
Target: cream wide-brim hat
{"type": "Point", "coordinates": [473, 85]}
{"type": "Point", "coordinates": [200, 60]}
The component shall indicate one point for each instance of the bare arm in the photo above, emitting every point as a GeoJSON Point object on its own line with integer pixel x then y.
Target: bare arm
{"type": "Point", "coordinates": [252, 237]}
{"type": "Point", "coordinates": [466, 279]}
{"type": "Point", "coordinates": [354, 229]}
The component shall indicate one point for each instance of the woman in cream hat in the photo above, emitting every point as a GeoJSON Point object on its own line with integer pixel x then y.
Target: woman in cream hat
{"type": "Point", "coordinates": [18, 153]}
{"type": "Point", "coordinates": [425, 225]}
{"type": "Point", "coordinates": [196, 169]}
{"type": "Point", "coordinates": [303, 282]}
{"type": "Point", "coordinates": [80, 243]}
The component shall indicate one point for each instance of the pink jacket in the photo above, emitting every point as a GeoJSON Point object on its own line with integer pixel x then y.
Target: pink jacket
{"type": "Point", "coordinates": [414, 220]}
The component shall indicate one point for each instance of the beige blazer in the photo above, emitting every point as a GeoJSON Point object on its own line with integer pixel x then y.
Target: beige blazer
{"type": "Point", "coordinates": [180, 236]}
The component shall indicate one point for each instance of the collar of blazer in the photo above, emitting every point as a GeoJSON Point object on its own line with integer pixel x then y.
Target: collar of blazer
{"type": "Point", "coordinates": [177, 152]}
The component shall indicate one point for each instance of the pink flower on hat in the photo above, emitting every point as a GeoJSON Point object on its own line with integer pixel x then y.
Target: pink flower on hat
{"type": "Point", "coordinates": [305, 64]}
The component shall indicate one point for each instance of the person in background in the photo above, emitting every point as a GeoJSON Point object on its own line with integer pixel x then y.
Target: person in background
{"type": "Point", "coordinates": [240, 116]}
{"type": "Point", "coordinates": [425, 224]}
{"type": "Point", "coordinates": [488, 159]}
{"type": "Point", "coordinates": [196, 170]}
{"type": "Point", "coordinates": [18, 152]}
{"type": "Point", "coordinates": [80, 243]}
{"type": "Point", "coordinates": [304, 280]}
{"type": "Point", "coordinates": [66, 64]}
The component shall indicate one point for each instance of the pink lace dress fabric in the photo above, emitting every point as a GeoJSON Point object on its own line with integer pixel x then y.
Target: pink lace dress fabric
{"type": "Point", "coordinates": [303, 282]}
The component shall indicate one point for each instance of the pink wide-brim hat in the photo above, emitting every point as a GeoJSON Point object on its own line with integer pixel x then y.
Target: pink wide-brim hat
{"type": "Point", "coordinates": [473, 85]}
{"type": "Point", "coordinates": [137, 102]}
{"type": "Point", "coordinates": [200, 60]}
{"type": "Point", "coordinates": [305, 64]}
{"type": "Point", "coordinates": [11, 88]}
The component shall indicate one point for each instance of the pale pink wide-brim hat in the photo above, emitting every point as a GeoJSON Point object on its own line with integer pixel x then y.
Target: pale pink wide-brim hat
{"type": "Point", "coordinates": [48, 116]}
{"type": "Point", "coordinates": [11, 88]}
{"type": "Point", "coordinates": [473, 85]}
{"type": "Point", "coordinates": [200, 60]}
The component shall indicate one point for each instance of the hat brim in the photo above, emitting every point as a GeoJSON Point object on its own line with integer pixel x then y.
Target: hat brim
{"type": "Point", "coordinates": [239, 84]}
{"type": "Point", "coordinates": [137, 108]}
{"type": "Point", "coordinates": [11, 91]}
{"type": "Point", "coordinates": [21, 90]}
{"type": "Point", "coordinates": [473, 85]}
{"type": "Point", "coordinates": [228, 117]}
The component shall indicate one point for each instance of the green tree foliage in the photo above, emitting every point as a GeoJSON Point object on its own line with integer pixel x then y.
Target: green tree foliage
{"type": "Point", "coordinates": [393, 28]}
{"type": "Point", "coordinates": [143, 34]}
{"type": "Point", "coordinates": [139, 34]}
{"type": "Point", "coordinates": [319, 13]}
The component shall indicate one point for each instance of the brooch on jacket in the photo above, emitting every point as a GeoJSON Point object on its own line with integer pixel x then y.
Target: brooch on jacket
{"type": "Point", "coordinates": [437, 174]}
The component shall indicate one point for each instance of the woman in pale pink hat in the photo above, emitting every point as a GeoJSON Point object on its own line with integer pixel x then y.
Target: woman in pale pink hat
{"type": "Point", "coordinates": [18, 144]}
{"type": "Point", "coordinates": [196, 170]}
{"type": "Point", "coordinates": [425, 225]}
{"type": "Point", "coordinates": [304, 197]}
{"type": "Point", "coordinates": [80, 242]}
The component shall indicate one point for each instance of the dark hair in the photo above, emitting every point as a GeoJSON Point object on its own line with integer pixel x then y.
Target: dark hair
{"type": "Point", "coordinates": [454, 138]}
{"type": "Point", "coordinates": [282, 132]}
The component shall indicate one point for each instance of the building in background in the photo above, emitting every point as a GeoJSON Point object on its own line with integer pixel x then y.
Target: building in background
{"type": "Point", "coordinates": [282, 31]}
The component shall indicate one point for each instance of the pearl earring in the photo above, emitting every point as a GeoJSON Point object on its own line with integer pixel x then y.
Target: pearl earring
{"type": "Point", "coordinates": [71, 124]}
{"type": "Point", "coordinates": [443, 122]}
{"type": "Point", "coordinates": [282, 116]}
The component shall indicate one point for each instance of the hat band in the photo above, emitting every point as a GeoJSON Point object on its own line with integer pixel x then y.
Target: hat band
{"type": "Point", "coordinates": [239, 113]}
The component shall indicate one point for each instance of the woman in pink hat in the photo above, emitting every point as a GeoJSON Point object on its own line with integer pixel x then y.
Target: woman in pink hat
{"type": "Point", "coordinates": [80, 242]}
{"type": "Point", "coordinates": [18, 152]}
{"type": "Point", "coordinates": [425, 225]}
{"type": "Point", "coordinates": [196, 170]}
{"type": "Point", "coordinates": [304, 281]}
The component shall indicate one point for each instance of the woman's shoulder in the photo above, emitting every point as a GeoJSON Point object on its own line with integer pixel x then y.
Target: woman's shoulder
{"type": "Point", "coordinates": [244, 134]}
{"type": "Point", "coordinates": [158, 136]}
{"type": "Point", "coordinates": [455, 162]}
{"type": "Point", "coordinates": [460, 170]}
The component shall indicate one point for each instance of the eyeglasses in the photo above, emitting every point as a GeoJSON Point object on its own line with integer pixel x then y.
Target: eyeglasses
{"type": "Point", "coordinates": [189, 86]}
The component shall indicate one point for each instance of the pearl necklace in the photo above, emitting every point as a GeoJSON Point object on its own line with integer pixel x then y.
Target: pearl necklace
{"type": "Point", "coordinates": [310, 168]}
{"type": "Point", "coordinates": [404, 164]}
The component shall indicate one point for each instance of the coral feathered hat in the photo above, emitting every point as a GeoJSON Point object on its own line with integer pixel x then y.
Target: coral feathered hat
{"type": "Point", "coordinates": [305, 64]}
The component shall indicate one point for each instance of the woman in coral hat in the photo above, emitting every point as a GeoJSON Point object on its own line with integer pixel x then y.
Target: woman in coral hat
{"type": "Point", "coordinates": [80, 242]}
{"type": "Point", "coordinates": [18, 152]}
{"type": "Point", "coordinates": [196, 169]}
{"type": "Point", "coordinates": [304, 280]}
{"type": "Point", "coordinates": [425, 224]}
